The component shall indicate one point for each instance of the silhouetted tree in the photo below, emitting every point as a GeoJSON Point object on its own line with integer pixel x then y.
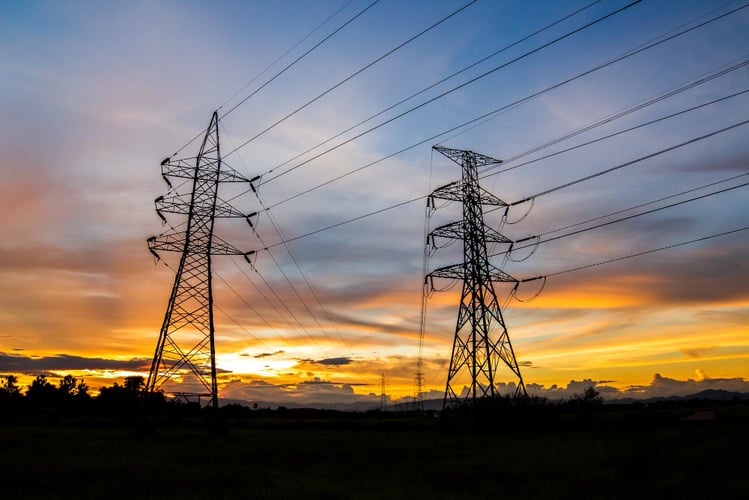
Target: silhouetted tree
{"type": "Point", "coordinates": [70, 388]}
{"type": "Point", "coordinates": [67, 386]}
{"type": "Point", "coordinates": [590, 397]}
{"type": "Point", "coordinates": [10, 394]}
{"type": "Point", "coordinates": [9, 388]}
{"type": "Point", "coordinates": [41, 393]}
{"type": "Point", "coordinates": [134, 383]}
{"type": "Point", "coordinates": [122, 399]}
{"type": "Point", "coordinates": [81, 390]}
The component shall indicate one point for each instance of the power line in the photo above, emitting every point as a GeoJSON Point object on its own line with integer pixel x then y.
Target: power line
{"type": "Point", "coordinates": [255, 312]}
{"type": "Point", "coordinates": [354, 74]}
{"type": "Point", "coordinates": [199, 134]}
{"type": "Point", "coordinates": [617, 259]}
{"type": "Point", "coordinates": [626, 111]}
{"type": "Point", "coordinates": [481, 117]}
{"type": "Point", "coordinates": [298, 295]}
{"type": "Point", "coordinates": [608, 223]}
{"type": "Point", "coordinates": [659, 37]}
{"type": "Point", "coordinates": [271, 303]}
{"type": "Point", "coordinates": [447, 92]}
{"type": "Point", "coordinates": [283, 303]}
{"type": "Point", "coordinates": [370, 214]}
{"type": "Point", "coordinates": [463, 70]}
{"type": "Point", "coordinates": [617, 212]}
{"type": "Point", "coordinates": [338, 224]}
{"type": "Point", "coordinates": [306, 280]}
{"type": "Point", "coordinates": [352, 19]}
{"type": "Point", "coordinates": [627, 164]}
{"type": "Point", "coordinates": [279, 58]}
{"type": "Point", "coordinates": [616, 116]}
{"type": "Point", "coordinates": [548, 191]}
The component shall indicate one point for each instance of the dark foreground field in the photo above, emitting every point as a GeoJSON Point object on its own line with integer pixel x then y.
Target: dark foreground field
{"type": "Point", "coordinates": [682, 453]}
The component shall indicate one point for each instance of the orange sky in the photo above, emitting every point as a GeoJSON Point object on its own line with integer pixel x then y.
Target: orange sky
{"type": "Point", "coordinates": [92, 102]}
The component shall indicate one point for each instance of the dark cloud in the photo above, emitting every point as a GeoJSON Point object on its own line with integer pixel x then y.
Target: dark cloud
{"type": "Point", "coordinates": [660, 386]}
{"type": "Point", "coordinates": [689, 275]}
{"type": "Point", "coordinates": [265, 354]}
{"type": "Point", "coordinates": [16, 363]}
{"type": "Point", "coordinates": [315, 392]}
{"type": "Point", "coordinates": [372, 325]}
{"type": "Point", "coordinates": [332, 361]}
{"type": "Point", "coordinates": [736, 163]}
{"type": "Point", "coordinates": [699, 352]}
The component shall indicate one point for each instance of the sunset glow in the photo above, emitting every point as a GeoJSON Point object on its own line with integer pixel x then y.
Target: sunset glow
{"type": "Point", "coordinates": [94, 96]}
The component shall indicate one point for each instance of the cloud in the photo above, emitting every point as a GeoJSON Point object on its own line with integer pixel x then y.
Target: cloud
{"type": "Point", "coordinates": [82, 138]}
{"type": "Point", "coordinates": [265, 354]}
{"type": "Point", "coordinates": [659, 387]}
{"type": "Point", "coordinates": [333, 361]}
{"type": "Point", "coordinates": [662, 386]}
{"type": "Point", "coordinates": [16, 363]}
{"type": "Point", "coordinates": [315, 392]}
{"type": "Point", "coordinates": [324, 393]}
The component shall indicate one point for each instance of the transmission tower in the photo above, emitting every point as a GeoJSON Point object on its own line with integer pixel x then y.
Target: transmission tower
{"type": "Point", "coordinates": [481, 342]}
{"type": "Point", "coordinates": [186, 345]}
{"type": "Point", "coordinates": [383, 395]}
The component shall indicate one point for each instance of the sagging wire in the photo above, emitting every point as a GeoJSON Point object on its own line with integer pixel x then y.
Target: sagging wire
{"type": "Point", "coordinates": [432, 246]}
{"type": "Point", "coordinates": [505, 219]}
{"type": "Point", "coordinates": [508, 255]}
{"type": "Point", "coordinates": [514, 291]}
{"type": "Point", "coordinates": [430, 281]}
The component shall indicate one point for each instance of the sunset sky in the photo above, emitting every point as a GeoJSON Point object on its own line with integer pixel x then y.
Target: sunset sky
{"type": "Point", "coordinates": [93, 95]}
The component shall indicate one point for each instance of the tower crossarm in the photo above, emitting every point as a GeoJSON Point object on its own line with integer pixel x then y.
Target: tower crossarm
{"type": "Point", "coordinates": [457, 230]}
{"type": "Point", "coordinates": [454, 192]}
{"type": "Point", "coordinates": [184, 168]}
{"type": "Point", "coordinates": [459, 155]}
{"type": "Point", "coordinates": [461, 272]}
{"type": "Point", "coordinates": [221, 247]}
{"type": "Point", "coordinates": [180, 204]}
{"type": "Point", "coordinates": [175, 242]}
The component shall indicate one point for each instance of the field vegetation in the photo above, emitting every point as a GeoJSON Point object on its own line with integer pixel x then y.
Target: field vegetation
{"type": "Point", "coordinates": [503, 449]}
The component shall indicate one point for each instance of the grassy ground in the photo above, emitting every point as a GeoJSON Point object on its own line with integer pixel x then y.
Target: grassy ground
{"type": "Point", "coordinates": [609, 456]}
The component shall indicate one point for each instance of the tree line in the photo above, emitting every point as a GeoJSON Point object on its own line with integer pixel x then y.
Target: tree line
{"type": "Point", "coordinates": [72, 396]}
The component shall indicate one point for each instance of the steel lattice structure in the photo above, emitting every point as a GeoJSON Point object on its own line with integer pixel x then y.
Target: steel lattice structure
{"type": "Point", "coordinates": [481, 342]}
{"type": "Point", "coordinates": [186, 344]}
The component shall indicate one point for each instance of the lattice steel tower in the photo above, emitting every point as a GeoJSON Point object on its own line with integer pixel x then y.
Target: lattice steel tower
{"type": "Point", "coordinates": [186, 343]}
{"type": "Point", "coordinates": [481, 342]}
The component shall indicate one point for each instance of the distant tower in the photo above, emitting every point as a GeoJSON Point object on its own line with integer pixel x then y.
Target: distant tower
{"type": "Point", "coordinates": [481, 342]}
{"type": "Point", "coordinates": [383, 396]}
{"type": "Point", "coordinates": [186, 343]}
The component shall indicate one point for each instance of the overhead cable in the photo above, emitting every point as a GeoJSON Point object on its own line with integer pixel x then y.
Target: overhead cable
{"type": "Point", "coordinates": [664, 198]}
{"type": "Point", "coordinates": [352, 19]}
{"type": "Point", "coordinates": [617, 259]}
{"type": "Point", "coordinates": [531, 198]}
{"type": "Point", "coordinates": [613, 117]}
{"type": "Point", "coordinates": [447, 92]}
{"type": "Point", "coordinates": [537, 241]}
{"type": "Point", "coordinates": [443, 80]}
{"type": "Point", "coordinates": [629, 163]}
{"type": "Point", "coordinates": [481, 117]}
{"type": "Point", "coordinates": [659, 37]}
{"type": "Point", "coordinates": [200, 134]}
{"type": "Point", "coordinates": [354, 74]}
{"type": "Point", "coordinates": [306, 281]}
{"type": "Point", "coordinates": [279, 58]}
{"type": "Point", "coordinates": [370, 214]}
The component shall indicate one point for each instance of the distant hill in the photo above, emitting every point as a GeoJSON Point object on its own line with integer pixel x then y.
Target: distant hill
{"type": "Point", "coordinates": [436, 404]}
{"type": "Point", "coordinates": [707, 394]}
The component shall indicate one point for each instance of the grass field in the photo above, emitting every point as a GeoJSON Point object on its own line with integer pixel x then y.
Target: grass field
{"type": "Point", "coordinates": [616, 455]}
